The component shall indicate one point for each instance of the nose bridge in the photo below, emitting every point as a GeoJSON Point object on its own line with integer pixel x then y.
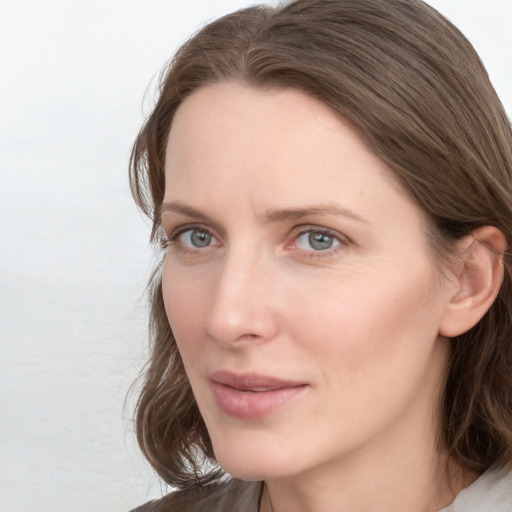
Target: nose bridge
{"type": "Point", "coordinates": [239, 309]}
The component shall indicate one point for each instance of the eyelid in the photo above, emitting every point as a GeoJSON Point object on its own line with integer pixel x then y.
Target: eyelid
{"type": "Point", "coordinates": [176, 231]}
{"type": "Point", "coordinates": [303, 229]}
{"type": "Point", "coordinates": [343, 240]}
{"type": "Point", "coordinates": [173, 236]}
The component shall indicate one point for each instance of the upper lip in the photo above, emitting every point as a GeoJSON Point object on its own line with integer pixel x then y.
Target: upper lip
{"type": "Point", "coordinates": [252, 381]}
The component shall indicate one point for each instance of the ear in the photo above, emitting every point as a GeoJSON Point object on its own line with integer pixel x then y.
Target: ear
{"type": "Point", "coordinates": [478, 278]}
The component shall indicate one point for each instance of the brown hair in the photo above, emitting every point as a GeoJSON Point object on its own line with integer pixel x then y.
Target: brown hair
{"type": "Point", "coordinates": [416, 89]}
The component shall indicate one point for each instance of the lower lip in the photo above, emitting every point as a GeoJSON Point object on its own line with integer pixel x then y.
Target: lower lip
{"type": "Point", "coordinates": [247, 405]}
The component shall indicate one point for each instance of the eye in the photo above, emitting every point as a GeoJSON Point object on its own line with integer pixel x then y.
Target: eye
{"type": "Point", "coordinates": [193, 238]}
{"type": "Point", "coordinates": [317, 240]}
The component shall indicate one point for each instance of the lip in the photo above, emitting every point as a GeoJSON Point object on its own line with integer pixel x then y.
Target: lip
{"type": "Point", "coordinates": [250, 396]}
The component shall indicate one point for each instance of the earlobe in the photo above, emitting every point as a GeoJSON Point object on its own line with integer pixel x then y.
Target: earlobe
{"type": "Point", "coordinates": [478, 280]}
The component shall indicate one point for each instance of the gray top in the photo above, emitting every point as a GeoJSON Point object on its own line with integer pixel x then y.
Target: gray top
{"type": "Point", "coordinates": [491, 492]}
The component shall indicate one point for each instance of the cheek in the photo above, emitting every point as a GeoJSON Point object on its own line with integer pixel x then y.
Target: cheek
{"type": "Point", "coordinates": [185, 304]}
{"type": "Point", "coordinates": [370, 327]}
{"type": "Point", "coordinates": [372, 353]}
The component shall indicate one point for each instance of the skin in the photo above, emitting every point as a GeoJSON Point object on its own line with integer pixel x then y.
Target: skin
{"type": "Point", "coordinates": [358, 322]}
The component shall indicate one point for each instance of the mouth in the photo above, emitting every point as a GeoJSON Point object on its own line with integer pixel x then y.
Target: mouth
{"type": "Point", "coordinates": [251, 396]}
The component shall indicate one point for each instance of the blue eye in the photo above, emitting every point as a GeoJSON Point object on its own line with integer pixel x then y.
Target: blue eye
{"type": "Point", "coordinates": [196, 238]}
{"type": "Point", "coordinates": [316, 240]}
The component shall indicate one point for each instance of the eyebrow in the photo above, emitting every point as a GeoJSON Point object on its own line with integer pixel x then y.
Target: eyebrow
{"type": "Point", "coordinates": [279, 215]}
{"type": "Point", "coordinates": [272, 215]}
{"type": "Point", "coordinates": [182, 209]}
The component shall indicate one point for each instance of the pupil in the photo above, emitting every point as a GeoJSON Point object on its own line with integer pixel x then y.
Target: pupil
{"type": "Point", "coordinates": [200, 239]}
{"type": "Point", "coordinates": [320, 241]}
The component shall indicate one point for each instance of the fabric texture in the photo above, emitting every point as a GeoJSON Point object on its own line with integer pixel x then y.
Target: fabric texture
{"type": "Point", "coordinates": [491, 492]}
{"type": "Point", "coordinates": [231, 496]}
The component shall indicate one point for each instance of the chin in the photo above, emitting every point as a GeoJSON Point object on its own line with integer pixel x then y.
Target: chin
{"type": "Point", "coordinates": [257, 462]}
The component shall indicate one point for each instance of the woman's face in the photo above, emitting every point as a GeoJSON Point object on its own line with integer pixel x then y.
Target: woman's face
{"type": "Point", "coordinates": [299, 286]}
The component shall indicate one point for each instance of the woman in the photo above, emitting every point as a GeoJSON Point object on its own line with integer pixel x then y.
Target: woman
{"type": "Point", "coordinates": [331, 181]}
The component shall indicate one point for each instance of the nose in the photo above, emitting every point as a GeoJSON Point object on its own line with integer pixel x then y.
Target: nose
{"type": "Point", "coordinates": [241, 310]}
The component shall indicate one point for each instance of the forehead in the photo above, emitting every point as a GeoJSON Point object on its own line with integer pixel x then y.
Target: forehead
{"type": "Point", "coordinates": [269, 146]}
{"type": "Point", "coordinates": [234, 127]}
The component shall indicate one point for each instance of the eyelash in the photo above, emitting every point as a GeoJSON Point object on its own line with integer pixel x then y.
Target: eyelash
{"type": "Point", "coordinates": [343, 241]}
{"type": "Point", "coordinates": [172, 239]}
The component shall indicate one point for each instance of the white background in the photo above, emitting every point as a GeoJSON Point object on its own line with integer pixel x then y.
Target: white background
{"type": "Point", "coordinates": [73, 248]}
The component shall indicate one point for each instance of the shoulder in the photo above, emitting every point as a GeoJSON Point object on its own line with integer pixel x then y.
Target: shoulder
{"type": "Point", "coordinates": [232, 495]}
{"type": "Point", "coordinates": [491, 492]}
